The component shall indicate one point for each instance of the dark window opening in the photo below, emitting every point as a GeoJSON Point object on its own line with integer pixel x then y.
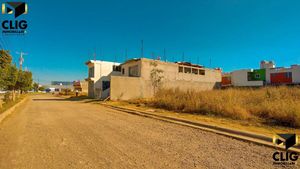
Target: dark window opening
{"type": "Point", "coordinates": [116, 68]}
{"type": "Point", "coordinates": [201, 72]}
{"type": "Point", "coordinates": [195, 71]}
{"type": "Point", "coordinates": [180, 69]}
{"type": "Point", "coordinates": [91, 71]}
{"type": "Point", "coordinates": [123, 71]}
{"type": "Point", "coordinates": [288, 74]}
{"type": "Point", "coordinates": [105, 85]}
{"type": "Point", "coordinates": [187, 70]}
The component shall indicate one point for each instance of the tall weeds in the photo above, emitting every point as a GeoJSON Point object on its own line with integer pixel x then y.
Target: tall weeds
{"type": "Point", "coordinates": [274, 105]}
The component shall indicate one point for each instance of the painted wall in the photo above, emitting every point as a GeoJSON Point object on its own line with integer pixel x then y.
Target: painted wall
{"type": "Point", "coordinates": [281, 78]}
{"type": "Point", "coordinates": [226, 81]}
{"type": "Point", "coordinates": [296, 73]}
{"type": "Point", "coordinates": [295, 69]}
{"type": "Point", "coordinates": [240, 78]}
{"type": "Point", "coordinates": [257, 75]}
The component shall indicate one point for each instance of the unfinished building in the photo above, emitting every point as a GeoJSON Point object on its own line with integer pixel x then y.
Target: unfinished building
{"type": "Point", "coordinates": [135, 79]}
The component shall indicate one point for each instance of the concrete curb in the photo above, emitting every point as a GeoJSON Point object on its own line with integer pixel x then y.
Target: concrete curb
{"type": "Point", "coordinates": [11, 109]}
{"type": "Point", "coordinates": [237, 134]}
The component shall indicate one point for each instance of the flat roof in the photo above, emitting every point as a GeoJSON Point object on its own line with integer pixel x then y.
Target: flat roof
{"type": "Point", "coordinates": [179, 63]}
{"type": "Point", "coordinates": [100, 61]}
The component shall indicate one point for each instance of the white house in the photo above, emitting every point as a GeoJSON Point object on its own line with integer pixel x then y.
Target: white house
{"type": "Point", "coordinates": [99, 73]}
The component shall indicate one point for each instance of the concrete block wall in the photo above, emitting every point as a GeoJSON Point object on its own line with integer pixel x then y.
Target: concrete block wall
{"type": "Point", "coordinates": [125, 88]}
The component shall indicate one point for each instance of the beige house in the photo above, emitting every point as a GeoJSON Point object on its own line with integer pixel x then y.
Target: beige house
{"type": "Point", "coordinates": [135, 79]}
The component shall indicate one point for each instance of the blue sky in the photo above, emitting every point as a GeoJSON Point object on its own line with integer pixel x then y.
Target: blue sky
{"type": "Point", "coordinates": [235, 34]}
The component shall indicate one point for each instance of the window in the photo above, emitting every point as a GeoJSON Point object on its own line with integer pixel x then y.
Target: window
{"type": "Point", "coordinates": [91, 71]}
{"type": "Point", "coordinates": [180, 69]}
{"type": "Point", "coordinates": [195, 71]}
{"type": "Point", "coordinates": [134, 71]}
{"type": "Point", "coordinates": [105, 85]}
{"type": "Point", "coordinates": [288, 74]}
{"type": "Point", "coordinates": [116, 68]}
{"type": "Point", "coordinates": [201, 72]}
{"type": "Point", "coordinates": [187, 70]}
{"type": "Point", "coordinates": [123, 71]}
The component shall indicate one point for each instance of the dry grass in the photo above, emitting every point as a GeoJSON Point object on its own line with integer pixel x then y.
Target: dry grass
{"type": "Point", "coordinates": [7, 105]}
{"type": "Point", "coordinates": [272, 105]}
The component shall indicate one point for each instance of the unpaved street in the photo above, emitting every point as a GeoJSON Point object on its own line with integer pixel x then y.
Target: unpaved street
{"type": "Point", "coordinates": [50, 132]}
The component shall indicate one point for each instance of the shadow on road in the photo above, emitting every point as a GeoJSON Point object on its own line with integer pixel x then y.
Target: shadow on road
{"type": "Point", "coordinates": [83, 99]}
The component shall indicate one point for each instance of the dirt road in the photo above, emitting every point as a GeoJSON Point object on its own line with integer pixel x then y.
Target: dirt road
{"type": "Point", "coordinates": [50, 132]}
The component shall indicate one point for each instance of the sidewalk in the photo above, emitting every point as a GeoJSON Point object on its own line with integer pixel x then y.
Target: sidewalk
{"type": "Point", "coordinates": [255, 137]}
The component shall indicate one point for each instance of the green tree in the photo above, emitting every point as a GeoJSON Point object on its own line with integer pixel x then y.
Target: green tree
{"type": "Point", "coordinates": [5, 64]}
{"type": "Point", "coordinates": [42, 88]}
{"type": "Point", "coordinates": [11, 80]}
{"type": "Point", "coordinates": [5, 59]}
{"type": "Point", "coordinates": [24, 82]}
{"type": "Point", "coordinates": [35, 87]}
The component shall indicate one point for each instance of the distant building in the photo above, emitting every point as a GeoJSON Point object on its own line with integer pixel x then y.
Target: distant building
{"type": "Point", "coordinates": [226, 80]}
{"type": "Point", "coordinates": [282, 75]}
{"type": "Point", "coordinates": [81, 86]}
{"type": "Point", "coordinates": [59, 85]}
{"type": "Point", "coordinates": [99, 74]}
{"type": "Point", "coordinates": [134, 80]}
{"type": "Point", "coordinates": [268, 74]}
{"type": "Point", "coordinates": [247, 77]}
{"type": "Point", "coordinates": [267, 64]}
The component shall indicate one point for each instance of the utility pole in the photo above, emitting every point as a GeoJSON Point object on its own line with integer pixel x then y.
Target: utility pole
{"type": "Point", "coordinates": [21, 59]}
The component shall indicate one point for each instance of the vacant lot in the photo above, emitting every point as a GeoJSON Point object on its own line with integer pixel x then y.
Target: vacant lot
{"type": "Point", "coordinates": [270, 105]}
